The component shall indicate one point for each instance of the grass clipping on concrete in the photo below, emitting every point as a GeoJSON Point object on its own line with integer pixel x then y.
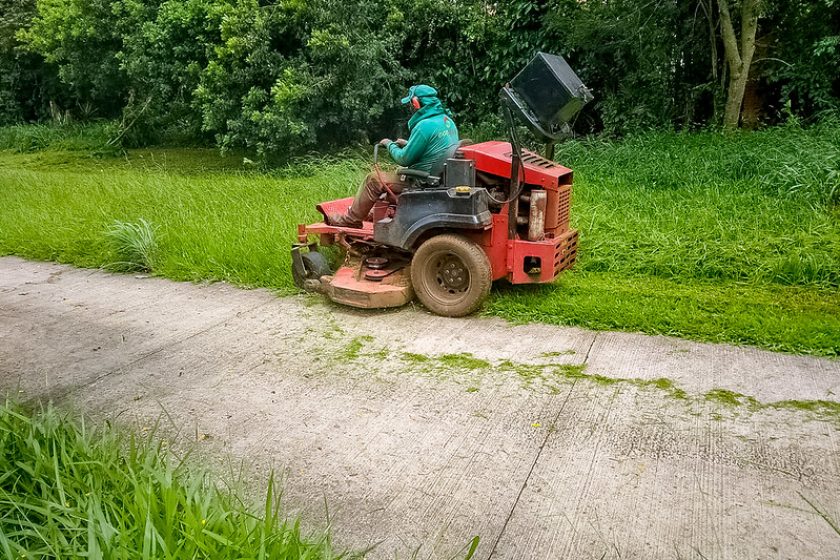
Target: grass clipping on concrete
{"type": "Point", "coordinates": [725, 238]}
{"type": "Point", "coordinates": [67, 491]}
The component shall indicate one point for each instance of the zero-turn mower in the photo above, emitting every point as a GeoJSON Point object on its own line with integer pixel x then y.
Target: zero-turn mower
{"type": "Point", "coordinates": [498, 211]}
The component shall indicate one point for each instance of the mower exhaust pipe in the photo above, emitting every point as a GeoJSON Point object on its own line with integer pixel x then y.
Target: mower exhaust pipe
{"type": "Point", "coordinates": [536, 216]}
{"type": "Point", "coordinates": [535, 220]}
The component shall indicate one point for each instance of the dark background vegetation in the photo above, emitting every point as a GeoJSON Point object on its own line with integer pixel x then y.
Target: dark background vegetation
{"type": "Point", "coordinates": [288, 76]}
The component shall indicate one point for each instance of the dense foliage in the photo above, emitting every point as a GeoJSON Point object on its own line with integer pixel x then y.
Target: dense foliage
{"type": "Point", "coordinates": [280, 76]}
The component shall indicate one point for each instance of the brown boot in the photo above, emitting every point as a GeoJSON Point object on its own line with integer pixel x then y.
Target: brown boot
{"type": "Point", "coordinates": [343, 220]}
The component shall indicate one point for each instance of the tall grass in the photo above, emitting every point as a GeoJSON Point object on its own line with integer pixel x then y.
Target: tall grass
{"type": "Point", "coordinates": [68, 491]}
{"type": "Point", "coordinates": [90, 137]}
{"type": "Point", "coordinates": [747, 206]}
{"type": "Point", "coordinates": [135, 244]}
{"type": "Point", "coordinates": [233, 226]}
{"type": "Point", "coordinates": [723, 214]}
{"type": "Point", "coordinates": [793, 163]}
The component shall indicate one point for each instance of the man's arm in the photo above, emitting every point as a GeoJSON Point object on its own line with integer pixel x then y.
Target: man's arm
{"type": "Point", "coordinates": [413, 149]}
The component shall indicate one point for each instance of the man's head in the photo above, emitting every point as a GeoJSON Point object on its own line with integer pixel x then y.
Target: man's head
{"type": "Point", "coordinates": [418, 96]}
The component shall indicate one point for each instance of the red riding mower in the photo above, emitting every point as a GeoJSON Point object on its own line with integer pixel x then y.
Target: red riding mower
{"type": "Point", "coordinates": [497, 211]}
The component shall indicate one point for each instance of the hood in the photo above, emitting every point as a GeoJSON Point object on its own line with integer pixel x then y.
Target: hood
{"type": "Point", "coordinates": [430, 104]}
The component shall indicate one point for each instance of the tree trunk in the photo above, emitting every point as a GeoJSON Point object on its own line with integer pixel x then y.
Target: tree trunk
{"type": "Point", "coordinates": [738, 58]}
{"type": "Point", "coordinates": [735, 96]}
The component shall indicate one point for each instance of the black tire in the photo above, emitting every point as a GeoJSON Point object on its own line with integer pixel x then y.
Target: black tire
{"type": "Point", "coordinates": [315, 265]}
{"type": "Point", "coordinates": [451, 275]}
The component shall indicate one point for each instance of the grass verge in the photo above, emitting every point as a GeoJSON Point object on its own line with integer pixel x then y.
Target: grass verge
{"type": "Point", "coordinates": [705, 236]}
{"type": "Point", "coordinates": [67, 491]}
{"type": "Point", "coordinates": [783, 318]}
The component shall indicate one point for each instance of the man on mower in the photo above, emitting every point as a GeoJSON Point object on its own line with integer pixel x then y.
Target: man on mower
{"type": "Point", "coordinates": [433, 137]}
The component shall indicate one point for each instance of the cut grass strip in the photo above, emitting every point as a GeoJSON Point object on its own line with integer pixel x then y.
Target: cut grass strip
{"type": "Point", "coordinates": [782, 318]}
{"type": "Point", "coordinates": [67, 491]}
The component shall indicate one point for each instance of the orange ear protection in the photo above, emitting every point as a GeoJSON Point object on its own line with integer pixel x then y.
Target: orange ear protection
{"type": "Point", "coordinates": [415, 103]}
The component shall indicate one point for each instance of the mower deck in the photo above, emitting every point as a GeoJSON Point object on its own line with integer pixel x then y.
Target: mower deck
{"type": "Point", "coordinates": [350, 285]}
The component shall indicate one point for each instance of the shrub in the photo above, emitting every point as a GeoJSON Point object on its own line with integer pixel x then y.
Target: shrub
{"type": "Point", "coordinates": [135, 245]}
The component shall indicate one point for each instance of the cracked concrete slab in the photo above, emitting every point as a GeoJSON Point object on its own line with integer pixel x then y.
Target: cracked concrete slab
{"type": "Point", "coordinates": [420, 432]}
{"type": "Point", "coordinates": [622, 479]}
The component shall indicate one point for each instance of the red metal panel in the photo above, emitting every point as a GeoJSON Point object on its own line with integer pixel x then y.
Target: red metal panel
{"type": "Point", "coordinates": [565, 252]}
{"type": "Point", "coordinates": [555, 256]}
{"type": "Point", "coordinates": [494, 241]}
{"type": "Point", "coordinates": [557, 210]}
{"type": "Point", "coordinates": [339, 206]}
{"type": "Point", "coordinates": [495, 158]}
{"type": "Point", "coordinates": [366, 232]}
{"type": "Point", "coordinates": [349, 287]}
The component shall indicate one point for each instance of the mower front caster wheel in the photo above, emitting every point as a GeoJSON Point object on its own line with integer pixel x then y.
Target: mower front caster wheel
{"type": "Point", "coordinates": [451, 275]}
{"type": "Point", "coordinates": [314, 264]}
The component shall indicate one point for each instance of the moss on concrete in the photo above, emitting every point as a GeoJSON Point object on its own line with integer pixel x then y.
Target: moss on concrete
{"type": "Point", "coordinates": [553, 377]}
{"type": "Point", "coordinates": [731, 398]}
{"type": "Point", "coordinates": [462, 361]}
{"type": "Point", "coordinates": [354, 347]}
{"type": "Point", "coordinates": [413, 358]}
{"type": "Point", "coordinates": [556, 354]}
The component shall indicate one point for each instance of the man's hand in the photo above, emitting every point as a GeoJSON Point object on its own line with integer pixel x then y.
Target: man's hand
{"type": "Point", "coordinates": [385, 141]}
{"type": "Point", "coordinates": [401, 142]}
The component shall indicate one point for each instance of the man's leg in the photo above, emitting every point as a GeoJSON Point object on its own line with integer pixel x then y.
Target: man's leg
{"type": "Point", "coordinates": [372, 187]}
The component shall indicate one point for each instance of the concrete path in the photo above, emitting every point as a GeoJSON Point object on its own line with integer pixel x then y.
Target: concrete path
{"type": "Point", "coordinates": [420, 432]}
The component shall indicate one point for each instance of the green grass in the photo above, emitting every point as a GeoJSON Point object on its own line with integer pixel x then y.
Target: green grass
{"type": "Point", "coordinates": [747, 207]}
{"type": "Point", "coordinates": [731, 398]}
{"type": "Point", "coordinates": [792, 162]}
{"type": "Point", "coordinates": [463, 361]}
{"type": "Point", "coordinates": [73, 137]}
{"type": "Point", "coordinates": [210, 223]}
{"type": "Point", "coordinates": [354, 348]}
{"type": "Point", "coordinates": [67, 491]}
{"type": "Point", "coordinates": [803, 319]}
{"type": "Point", "coordinates": [135, 244]}
{"type": "Point", "coordinates": [730, 238]}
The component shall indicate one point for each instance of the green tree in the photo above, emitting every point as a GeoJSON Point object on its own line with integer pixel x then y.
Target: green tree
{"type": "Point", "coordinates": [630, 54]}
{"type": "Point", "coordinates": [165, 47]}
{"type": "Point", "coordinates": [295, 75]}
{"type": "Point", "coordinates": [285, 76]}
{"type": "Point", "coordinates": [27, 82]}
{"type": "Point", "coordinates": [81, 37]}
{"type": "Point", "coordinates": [804, 61]}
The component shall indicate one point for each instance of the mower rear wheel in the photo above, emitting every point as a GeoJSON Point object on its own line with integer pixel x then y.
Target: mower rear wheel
{"type": "Point", "coordinates": [451, 275]}
{"type": "Point", "coordinates": [315, 265]}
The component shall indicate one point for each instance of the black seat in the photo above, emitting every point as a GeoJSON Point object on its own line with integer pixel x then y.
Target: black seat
{"type": "Point", "coordinates": [423, 179]}
{"type": "Point", "coordinates": [405, 172]}
{"type": "Point", "coordinates": [417, 178]}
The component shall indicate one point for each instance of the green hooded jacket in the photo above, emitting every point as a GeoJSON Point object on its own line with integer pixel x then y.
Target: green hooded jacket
{"type": "Point", "coordinates": [433, 136]}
